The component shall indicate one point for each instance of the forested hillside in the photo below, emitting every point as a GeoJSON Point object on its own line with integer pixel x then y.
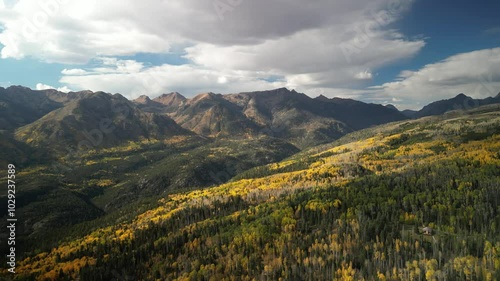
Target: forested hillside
{"type": "Point", "coordinates": [412, 200]}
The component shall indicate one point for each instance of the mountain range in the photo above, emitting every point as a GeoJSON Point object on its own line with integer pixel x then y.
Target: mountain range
{"type": "Point", "coordinates": [182, 206]}
{"type": "Point", "coordinates": [57, 120]}
{"type": "Point", "coordinates": [53, 119]}
{"type": "Point", "coordinates": [95, 120]}
{"type": "Point", "coordinates": [460, 102]}
{"type": "Point", "coordinates": [279, 113]}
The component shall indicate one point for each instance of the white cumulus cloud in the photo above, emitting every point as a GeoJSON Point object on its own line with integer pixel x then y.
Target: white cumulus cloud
{"type": "Point", "coordinates": [75, 71]}
{"type": "Point", "coordinates": [330, 46]}
{"type": "Point", "coordinates": [324, 44]}
{"type": "Point", "coordinates": [41, 86]}
{"type": "Point", "coordinates": [475, 74]}
{"type": "Point", "coordinates": [365, 75]}
{"type": "Point", "coordinates": [133, 81]}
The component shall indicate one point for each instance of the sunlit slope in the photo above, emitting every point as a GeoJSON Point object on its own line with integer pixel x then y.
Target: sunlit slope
{"type": "Point", "coordinates": [350, 210]}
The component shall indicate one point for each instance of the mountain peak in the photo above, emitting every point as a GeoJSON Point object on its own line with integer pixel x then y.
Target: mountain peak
{"type": "Point", "coordinates": [170, 99]}
{"type": "Point", "coordinates": [283, 90]}
{"type": "Point", "coordinates": [391, 106]}
{"type": "Point", "coordinates": [321, 98]}
{"type": "Point", "coordinates": [204, 96]}
{"type": "Point", "coordinates": [171, 94]}
{"type": "Point", "coordinates": [143, 99]}
{"type": "Point", "coordinates": [19, 87]}
{"type": "Point", "coordinates": [120, 96]}
{"type": "Point", "coordinates": [461, 101]}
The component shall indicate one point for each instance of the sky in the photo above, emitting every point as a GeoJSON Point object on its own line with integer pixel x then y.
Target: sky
{"type": "Point", "coordinates": [403, 52]}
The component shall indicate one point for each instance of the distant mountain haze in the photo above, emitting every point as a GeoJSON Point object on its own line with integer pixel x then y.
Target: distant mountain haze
{"type": "Point", "coordinates": [461, 101]}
